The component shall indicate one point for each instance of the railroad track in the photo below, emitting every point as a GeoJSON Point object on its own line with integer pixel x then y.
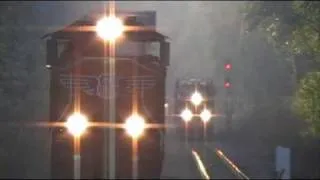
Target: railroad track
{"type": "Point", "coordinates": [212, 163]}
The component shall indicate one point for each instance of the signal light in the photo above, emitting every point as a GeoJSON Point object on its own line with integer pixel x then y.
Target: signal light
{"type": "Point", "coordinates": [227, 67]}
{"type": "Point", "coordinates": [227, 84]}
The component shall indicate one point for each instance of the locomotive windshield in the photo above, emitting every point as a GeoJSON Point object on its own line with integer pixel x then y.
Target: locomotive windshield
{"type": "Point", "coordinates": [124, 48]}
{"type": "Point", "coordinates": [186, 89]}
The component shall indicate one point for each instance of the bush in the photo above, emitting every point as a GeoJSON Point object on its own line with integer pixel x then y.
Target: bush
{"type": "Point", "coordinates": [307, 102]}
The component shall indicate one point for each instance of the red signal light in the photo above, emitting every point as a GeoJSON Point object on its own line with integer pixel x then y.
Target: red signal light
{"type": "Point", "coordinates": [227, 66]}
{"type": "Point", "coordinates": [227, 84]}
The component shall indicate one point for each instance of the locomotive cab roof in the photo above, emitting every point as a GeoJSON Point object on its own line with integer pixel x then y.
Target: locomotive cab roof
{"type": "Point", "coordinates": [145, 34]}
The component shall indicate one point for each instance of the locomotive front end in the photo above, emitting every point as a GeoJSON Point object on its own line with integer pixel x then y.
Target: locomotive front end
{"type": "Point", "coordinates": [87, 61]}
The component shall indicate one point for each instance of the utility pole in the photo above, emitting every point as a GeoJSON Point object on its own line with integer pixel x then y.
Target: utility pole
{"type": "Point", "coordinates": [228, 101]}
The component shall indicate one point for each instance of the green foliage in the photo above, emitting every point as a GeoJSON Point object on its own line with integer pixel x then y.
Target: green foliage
{"type": "Point", "coordinates": [307, 101]}
{"type": "Point", "coordinates": [293, 26]}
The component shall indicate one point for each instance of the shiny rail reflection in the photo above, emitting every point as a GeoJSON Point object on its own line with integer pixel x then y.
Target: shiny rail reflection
{"type": "Point", "coordinates": [200, 165]}
{"type": "Point", "coordinates": [231, 165]}
{"type": "Point", "coordinates": [213, 164]}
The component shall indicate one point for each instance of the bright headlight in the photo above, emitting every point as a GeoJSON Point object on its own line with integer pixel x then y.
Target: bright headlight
{"type": "Point", "coordinates": [186, 115]}
{"type": "Point", "coordinates": [77, 124]}
{"type": "Point", "coordinates": [135, 125]}
{"type": "Point", "coordinates": [109, 28]}
{"type": "Point", "coordinates": [205, 115]}
{"type": "Point", "coordinates": [196, 98]}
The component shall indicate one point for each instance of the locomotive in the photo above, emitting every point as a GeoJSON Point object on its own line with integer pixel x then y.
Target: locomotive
{"type": "Point", "coordinates": [184, 90]}
{"type": "Point", "coordinates": [78, 63]}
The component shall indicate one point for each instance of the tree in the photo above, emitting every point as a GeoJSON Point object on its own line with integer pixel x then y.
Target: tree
{"type": "Point", "coordinates": [291, 25]}
{"type": "Point", "coordinates": [293, 28]}
{"type": "Point", "coordinates": [307, 101]}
